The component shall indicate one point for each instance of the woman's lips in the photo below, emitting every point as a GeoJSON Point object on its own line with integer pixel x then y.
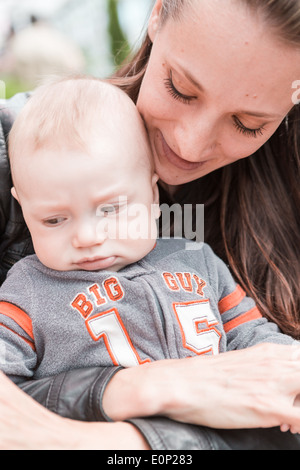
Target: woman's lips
{"type": "Point", "coordinates": [177, 161]}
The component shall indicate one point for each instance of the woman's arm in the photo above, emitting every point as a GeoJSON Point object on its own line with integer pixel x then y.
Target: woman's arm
{"type": "Point", "coordinates": [251, 388]}
{"type": "Point", "coordinates": [158, 433]}
{"type": "Point", "coordinates": [255, 387]}
{"type": "Point", "coordinates": [75, 394]}
{"type": "Point", "coordinates": [26, 425]}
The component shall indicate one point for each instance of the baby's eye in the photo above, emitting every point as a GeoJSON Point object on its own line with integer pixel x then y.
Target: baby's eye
{"type": "Point", "coordinates": [107, 210]}
{"type": "Point", "coordinates": [54, 221]}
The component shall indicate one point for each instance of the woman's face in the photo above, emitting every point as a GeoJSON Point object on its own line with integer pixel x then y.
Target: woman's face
{"type": "Point", "coordinates": [217, 86]}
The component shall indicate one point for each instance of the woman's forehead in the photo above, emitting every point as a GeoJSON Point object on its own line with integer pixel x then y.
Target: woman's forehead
{"type": "Point", "coordinates": [230, 52]}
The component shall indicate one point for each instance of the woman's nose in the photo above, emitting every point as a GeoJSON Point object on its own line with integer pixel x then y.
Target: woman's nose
{"type": "Point", "coordinates": [196, 138]}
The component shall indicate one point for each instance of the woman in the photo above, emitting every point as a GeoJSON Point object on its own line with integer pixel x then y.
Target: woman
{"type": "Point", "coordinates": [213, 82]}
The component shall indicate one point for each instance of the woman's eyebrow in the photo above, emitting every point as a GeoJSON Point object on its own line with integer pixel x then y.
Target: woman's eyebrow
{"type": "Point", "coordinates": [190, 77]}
{"type": "Point", "coordinates": [258, 114]}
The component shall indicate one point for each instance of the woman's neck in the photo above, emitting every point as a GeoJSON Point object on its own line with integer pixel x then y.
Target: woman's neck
{"type": "Point", "coordinates": [168, 188]}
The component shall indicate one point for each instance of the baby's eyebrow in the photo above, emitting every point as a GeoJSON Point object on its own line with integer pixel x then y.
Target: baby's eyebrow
{"type": "Point", "coordinates": [48, 209]}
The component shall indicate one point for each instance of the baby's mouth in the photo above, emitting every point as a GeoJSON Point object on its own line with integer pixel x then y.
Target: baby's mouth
{"type": "Point", "coordinates": [95, 264]}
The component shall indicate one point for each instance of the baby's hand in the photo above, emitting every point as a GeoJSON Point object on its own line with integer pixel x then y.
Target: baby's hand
{"type": "Point", "coordinates": [287, 427]}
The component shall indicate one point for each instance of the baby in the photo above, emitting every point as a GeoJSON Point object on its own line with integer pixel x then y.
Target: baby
{"type": "Point", "coordinates": [75, 149]}
{"type": "Point", "coordinates": [101, 290]}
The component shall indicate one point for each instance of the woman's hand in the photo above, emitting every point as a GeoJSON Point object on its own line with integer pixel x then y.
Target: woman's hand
{"type": "Point", "coordinates": [26, 425]}
{"type": "Point", "coordinates": [293, 429]}
{"type": "Point", "coordinates": [249, 388]}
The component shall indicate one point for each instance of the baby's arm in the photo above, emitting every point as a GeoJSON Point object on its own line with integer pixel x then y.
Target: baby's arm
{"type": "Point", "coordinates": [243, 323]}
{"type": "Point", "coordinates": [17, 350]}
{"type": "Point", "coordinates": [17, 347]}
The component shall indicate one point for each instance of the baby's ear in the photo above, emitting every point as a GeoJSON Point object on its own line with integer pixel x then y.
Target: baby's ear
{"type": "Point", "coordinates": [14, 193]}
{"type": "Point", "coordinates": [155, 190]}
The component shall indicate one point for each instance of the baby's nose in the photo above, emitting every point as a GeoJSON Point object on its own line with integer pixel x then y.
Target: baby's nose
{"type": "Point", "coordinates": [88, 235]}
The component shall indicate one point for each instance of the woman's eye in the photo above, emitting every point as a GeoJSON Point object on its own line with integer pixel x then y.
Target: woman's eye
{"type": "Point", "coordinates": [172, 90]}
{"type": "Point", "coordinates": [246, 131]}
{"type": "Point", "coordinates": [54, 221]}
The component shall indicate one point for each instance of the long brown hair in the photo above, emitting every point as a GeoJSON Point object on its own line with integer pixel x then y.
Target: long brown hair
{"type": "Point", "coordinates": [252, 206]}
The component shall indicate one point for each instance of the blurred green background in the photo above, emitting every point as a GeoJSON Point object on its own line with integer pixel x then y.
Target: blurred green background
{"type": "Point", "coordinates": [39, 38]}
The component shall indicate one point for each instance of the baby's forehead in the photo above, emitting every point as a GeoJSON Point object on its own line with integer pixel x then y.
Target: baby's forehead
{"type": "Point", "coordinates": [89, 111]}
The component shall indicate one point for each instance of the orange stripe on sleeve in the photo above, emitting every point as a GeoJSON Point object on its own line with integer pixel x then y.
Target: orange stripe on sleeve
{"type": "Point", "coordinates": [253, 314]}
{"type": "Point", "coordinates": [31, 344]}
{"type": "Point", "coordinates": [231, 300]}
{"type": "Point", "coordinates": [20, 317]}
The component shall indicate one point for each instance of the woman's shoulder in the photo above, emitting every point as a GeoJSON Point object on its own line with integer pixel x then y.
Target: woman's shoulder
{"type": "Point", "coordinates": [15, 240]}
{"type": "Point", "coordinates": [9, 108]}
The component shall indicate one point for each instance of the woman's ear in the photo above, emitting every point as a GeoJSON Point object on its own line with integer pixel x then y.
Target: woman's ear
{"type": "Point", "coordinates": [14, 193]}
{"type": "Point", "coordinates": [154, 20]}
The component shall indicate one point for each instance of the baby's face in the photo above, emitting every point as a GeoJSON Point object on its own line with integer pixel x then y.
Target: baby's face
{"type": "Point", "coordinates": [90, 211]}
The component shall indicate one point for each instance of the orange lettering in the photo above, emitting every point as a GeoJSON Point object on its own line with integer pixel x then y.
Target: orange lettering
{"type": "Point", "coordinates": [95, 291]}
{"type": "Point", "coordinates": [200, 284]}
{"type": "Point", "coordinates": [170, 281]}
{"type": "Point", "coordinates": [113, 289]}
{"type": "Point", "coordinates": [185, 280]}
{"type": "Point", "coordinates": [84, 306]}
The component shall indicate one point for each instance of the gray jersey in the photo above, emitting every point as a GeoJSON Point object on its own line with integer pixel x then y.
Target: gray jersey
{"type": "Point", "coordinates": [174, 303]}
